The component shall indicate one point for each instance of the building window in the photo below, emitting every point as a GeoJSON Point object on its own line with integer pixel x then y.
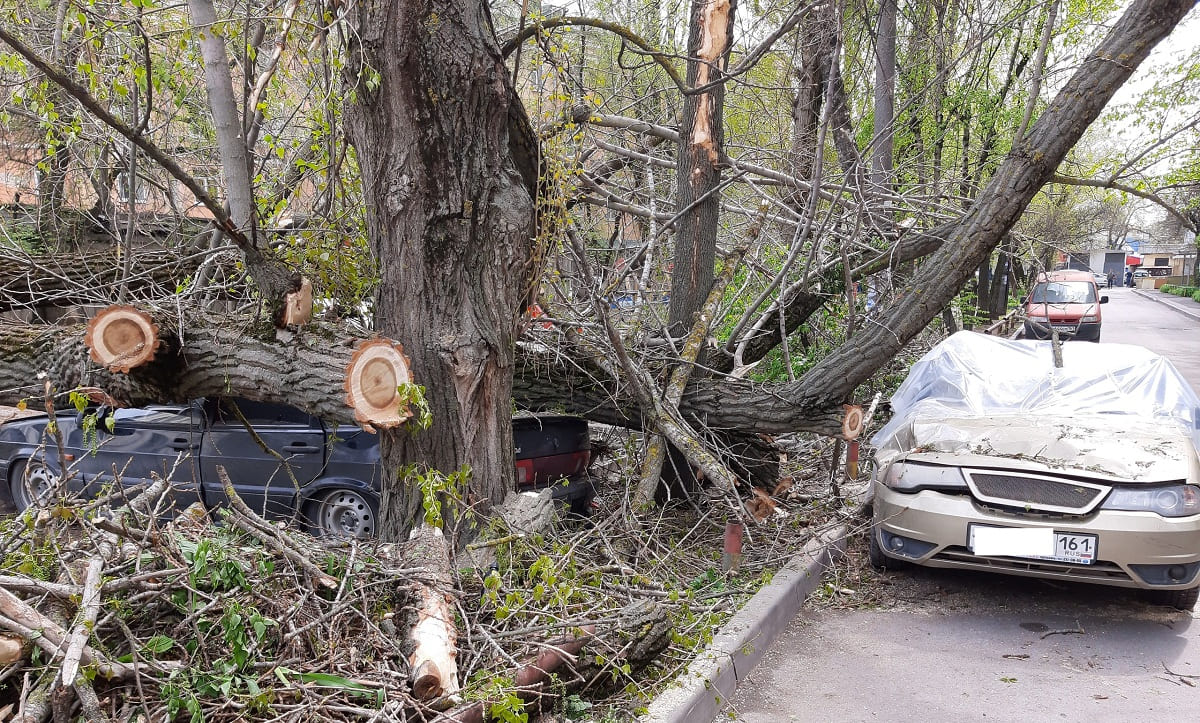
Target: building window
{"type": "Point", "coordinates": [140, 191]}
{"type": "Point", "coordinates": [1162, 262]}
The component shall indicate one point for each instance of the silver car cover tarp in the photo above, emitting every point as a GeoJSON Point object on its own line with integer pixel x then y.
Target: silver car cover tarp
{"type": "Point", "coordinates": [979, 391]}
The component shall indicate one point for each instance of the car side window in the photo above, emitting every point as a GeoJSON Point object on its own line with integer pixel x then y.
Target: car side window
{"type": "Point", "coordinates": [261, 414]}
{"type": "Point", "coordinates": [154, 416]}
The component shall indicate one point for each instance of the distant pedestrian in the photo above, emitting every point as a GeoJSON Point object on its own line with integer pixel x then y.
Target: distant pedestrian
{"type": "Point", "coordinates": [1111, 278]}
{"type": "Point", "coordinates": [1129, 278]}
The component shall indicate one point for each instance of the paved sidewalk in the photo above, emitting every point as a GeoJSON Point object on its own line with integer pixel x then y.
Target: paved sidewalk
{"type": "Point", "coordinates": [1183, 305]}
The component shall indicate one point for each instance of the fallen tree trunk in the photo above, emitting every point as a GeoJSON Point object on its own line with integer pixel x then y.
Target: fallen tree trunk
{"type": "Point", "coordinates": [243, 357]}
{"type": "Point", "coordinates": [216, 356]}
{"type": "Point", "coordinates": [66, 280]}
{"type": "Point", "coordinates": [968, 241]}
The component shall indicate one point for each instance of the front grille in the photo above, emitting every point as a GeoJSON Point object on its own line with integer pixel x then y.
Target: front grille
{"type": "Point", "coordinates": [1035, 493]}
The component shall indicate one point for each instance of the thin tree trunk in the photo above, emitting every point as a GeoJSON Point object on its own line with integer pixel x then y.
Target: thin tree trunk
{"type": "Point", "coordinates": [885, 96]}
{"type": "Point", "coordinates": [231, 143]}
{"type": "Point", "coordinates": [701, 139]}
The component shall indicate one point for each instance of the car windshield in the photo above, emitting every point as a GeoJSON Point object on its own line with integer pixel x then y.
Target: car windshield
{"type": "Point", "coordinates": [1064, 292]}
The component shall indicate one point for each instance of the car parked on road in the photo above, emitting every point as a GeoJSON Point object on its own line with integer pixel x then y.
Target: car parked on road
{"type": "Point", "coordinates": [293, 467]}
{"type": "Point", "coordinates": [1067, 302]}
{"type": "Point", "coordinates": [1101, 280]}
{"type": "Point", "coordinates": [997, 460]}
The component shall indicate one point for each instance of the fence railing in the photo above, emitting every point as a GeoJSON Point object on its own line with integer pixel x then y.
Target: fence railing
{"type": "Point", "coordinates": [1005, 325]}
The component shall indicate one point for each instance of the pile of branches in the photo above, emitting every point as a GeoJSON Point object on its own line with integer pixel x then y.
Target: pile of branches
{"type": "Point", "coordinates": [108, 614]}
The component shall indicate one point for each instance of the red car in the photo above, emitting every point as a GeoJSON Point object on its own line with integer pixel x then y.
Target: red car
{"type": "Point", "coordinates": [1067, 302]}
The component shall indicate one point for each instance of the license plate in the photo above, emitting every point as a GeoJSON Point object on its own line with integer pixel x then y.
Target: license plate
{"type": "Point", "coordinates": [1063, 327]}
{"type": "Point", "coordinates": [1032, 543]}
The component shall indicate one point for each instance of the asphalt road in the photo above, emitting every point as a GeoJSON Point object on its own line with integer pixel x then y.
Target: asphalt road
{"type": "Point", "coordinates": [1131, 318]}
{"type": "Point", "coordinates": [943, 645]}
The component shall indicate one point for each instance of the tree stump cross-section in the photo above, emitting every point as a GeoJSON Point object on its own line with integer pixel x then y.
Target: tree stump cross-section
{"type": "Point", "coordinates": [121, 338]}
{"type": "Point", "coordinates": [373, 377]}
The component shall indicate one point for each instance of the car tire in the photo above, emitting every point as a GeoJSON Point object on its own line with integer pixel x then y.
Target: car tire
{"type": "Point", "coordinates": [1181, 599]}
{"type": "Point", "coordinates": [875, 555]}
{"type": "Point", "coordinates": [343, 513]}
{"type": "Point", "coordinates": [30, 481]}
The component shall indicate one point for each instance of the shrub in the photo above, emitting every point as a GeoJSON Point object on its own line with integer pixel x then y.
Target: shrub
{"type": "Point", "coordinates": [1196, 295]}
{"type": "Point", "coordinates": [1167, 288]}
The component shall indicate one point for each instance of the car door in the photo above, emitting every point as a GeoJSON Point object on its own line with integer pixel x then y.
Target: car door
{"type": "Point", "coordinates": [285, 451]}
{"type": "Point", "coordinates": [133, 446]}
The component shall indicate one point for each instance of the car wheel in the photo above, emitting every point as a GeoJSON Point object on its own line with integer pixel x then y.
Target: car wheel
{"type": "Point", "coordinates": [875, 555]}
{"type": "Point", "coordinates": [32, 480]}
{"type": "Point", "coordinates": [1182, 599]}
{"type": "Point", "coordinates": [344, 513]}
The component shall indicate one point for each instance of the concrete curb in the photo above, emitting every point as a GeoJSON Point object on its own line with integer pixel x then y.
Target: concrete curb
{"type": "Point", "coordinates": [713, 676]}
{"type": "Point", "coordinates": [1166, 300]}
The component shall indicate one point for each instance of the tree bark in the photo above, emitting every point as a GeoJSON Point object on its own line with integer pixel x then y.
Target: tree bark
{"type": "Point", "coordinates": [218, 356]}
{"type": "Point", "coordinates": [450, 214]}
{"type": "Point", "coordinates": [231, 144]}
{"type": "Point", "coordinates": [701, 140]}
{"type": "Point", "coordinates": [885, 96]}
{"type": "Point", "coordinates": [817, 33]}
{"type": "Point", "coordinates": [73, 279]}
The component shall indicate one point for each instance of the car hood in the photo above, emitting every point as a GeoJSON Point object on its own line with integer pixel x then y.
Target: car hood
{"type": "Point", "coordinates": [1113, 447]}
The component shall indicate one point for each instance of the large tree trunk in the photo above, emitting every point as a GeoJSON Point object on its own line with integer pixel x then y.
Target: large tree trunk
{"type": "Point", "coordinates": [701, 139]}
{"type": "Point", "coordinates": [450, 215]}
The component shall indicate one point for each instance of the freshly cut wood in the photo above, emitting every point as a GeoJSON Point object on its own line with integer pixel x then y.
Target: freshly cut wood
{"type": "Point", "coordinates": [433, 662]}
{"type": "Point", "coordinates": [530, 678]}
{"type": "Point", "coordinates": [298, 304]}
{"type": "Point", "coordinates": [12, 648]}
{"type": "Point", "coordinates": [852, 422]}
{"type": "Point", "coordinates": [373, 377]}
{"type": "Point", "coordinates": [121, 338]}
{"type": "Point", "coordinates": [8, 414]}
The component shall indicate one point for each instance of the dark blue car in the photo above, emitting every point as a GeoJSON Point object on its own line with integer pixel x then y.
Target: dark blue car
{"type": "Point", "coordinates": [292, 467]}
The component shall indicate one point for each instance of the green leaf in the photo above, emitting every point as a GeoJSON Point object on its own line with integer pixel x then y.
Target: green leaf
{"type": "Point", "coordinates": [159, 644]}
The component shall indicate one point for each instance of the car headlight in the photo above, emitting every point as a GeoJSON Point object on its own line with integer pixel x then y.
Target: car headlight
{"type": "Point", "coordinates": [1170, 501]}
{"type": "Point", "coordinates": [916, 477]}
{"type": "Point", "coordinates": [1090, 317]}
